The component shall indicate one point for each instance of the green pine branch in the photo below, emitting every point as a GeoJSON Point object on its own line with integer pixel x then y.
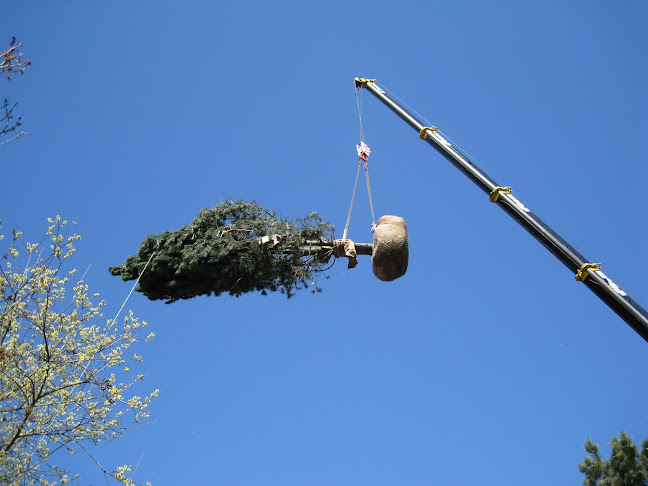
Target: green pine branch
{"type": "Point", "coordinates": [220, 251]}
{"type": "Point", "coordinates": [627, 465]}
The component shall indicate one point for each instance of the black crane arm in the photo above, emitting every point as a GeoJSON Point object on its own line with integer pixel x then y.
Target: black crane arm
{"type": "Point", "coordinates": [589, 273]}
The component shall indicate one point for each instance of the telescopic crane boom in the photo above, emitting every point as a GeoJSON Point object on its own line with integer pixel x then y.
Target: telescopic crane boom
{"type": "Point", "coordinates": [589, 273]}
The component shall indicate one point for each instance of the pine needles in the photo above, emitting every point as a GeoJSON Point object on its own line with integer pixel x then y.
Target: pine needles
{"type": "Point", "coordinates": [221, 252]}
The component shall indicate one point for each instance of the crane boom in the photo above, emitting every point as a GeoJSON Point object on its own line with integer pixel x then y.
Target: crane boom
{"type": "Point", "coordinates": [589, 273]}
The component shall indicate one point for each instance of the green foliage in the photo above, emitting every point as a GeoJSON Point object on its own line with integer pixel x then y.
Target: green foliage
{"type": "Point", "coordinates": [64, 380]}
{"type": "Point", "coordinates": [627, 466]}
{"type": "Point", "coordinates": [221, 252]}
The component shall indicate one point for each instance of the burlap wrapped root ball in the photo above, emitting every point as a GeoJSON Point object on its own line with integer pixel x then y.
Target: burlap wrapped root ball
{"type": "Point", "coordinates": [390, 251]}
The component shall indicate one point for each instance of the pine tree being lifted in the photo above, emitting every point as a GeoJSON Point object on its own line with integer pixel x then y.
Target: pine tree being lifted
{"type": "Point", "coordinates": [235, 247]}
{"type": "Point", "coordinates": [238, 247]}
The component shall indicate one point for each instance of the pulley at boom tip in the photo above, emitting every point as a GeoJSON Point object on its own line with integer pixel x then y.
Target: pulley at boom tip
{"type": "Point", "coordinates": [362, 82]}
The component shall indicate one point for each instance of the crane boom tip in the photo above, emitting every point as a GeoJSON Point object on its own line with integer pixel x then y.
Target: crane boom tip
{"type": "Point", "coordinates": [362, 82]}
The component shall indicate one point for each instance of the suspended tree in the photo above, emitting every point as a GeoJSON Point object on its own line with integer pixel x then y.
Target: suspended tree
{"type": "Point", "coordinates": [238, 247]}
{"type": "Point", "coordinates": [233, 248]}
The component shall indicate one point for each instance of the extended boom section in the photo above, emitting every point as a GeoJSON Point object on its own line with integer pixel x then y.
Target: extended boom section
{"type": "Point", "coordinates": [589, 273]}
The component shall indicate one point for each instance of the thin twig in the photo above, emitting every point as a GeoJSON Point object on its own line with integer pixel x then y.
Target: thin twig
{"type": "Point", "coordinates": [13, 138]}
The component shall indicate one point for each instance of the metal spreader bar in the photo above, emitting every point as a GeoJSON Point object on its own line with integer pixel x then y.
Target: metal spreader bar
{"type": "Point", "coordinates": [589, 273]}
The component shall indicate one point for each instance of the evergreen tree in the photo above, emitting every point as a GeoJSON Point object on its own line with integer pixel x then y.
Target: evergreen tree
{"type": "Point", "coordinates": [235, 247]}
{"type": "Point", "coordinates": [627, 465]}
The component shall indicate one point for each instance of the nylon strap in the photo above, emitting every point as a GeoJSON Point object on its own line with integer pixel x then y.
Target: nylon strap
{"type": "Point", "coordinates": [494, 195]}
{"type": "Point", "coordinates": [424, 130]}
{"type": "Point", "coordinates": [348, 222]}
{"type": "Point", "coordinates": [581, 275]}
{"type": "Point", "coordinates": [346, 248]}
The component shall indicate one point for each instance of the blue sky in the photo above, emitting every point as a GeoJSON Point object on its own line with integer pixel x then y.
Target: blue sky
{"type": "Point", "coordinates": [487, 363]}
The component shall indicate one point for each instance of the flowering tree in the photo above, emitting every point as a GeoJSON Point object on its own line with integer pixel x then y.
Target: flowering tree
{"type": "Point", "coordinates": [65, 384]}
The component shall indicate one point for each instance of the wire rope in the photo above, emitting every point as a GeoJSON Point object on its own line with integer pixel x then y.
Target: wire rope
{"type": "Point", "coordinates": [132, 288]}
{"type": "Point", "coordinates": [428, 123]}
{"type": "Point", "coordinates": [362, 156]}
{"type": "Point", "coordinates": [359, 103]}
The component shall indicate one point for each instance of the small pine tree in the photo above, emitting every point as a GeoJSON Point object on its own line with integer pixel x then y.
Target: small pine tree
{"type": "Point", "coordinates": [221, 251]}
{"type": "Point", "coordinates": [627, 465]}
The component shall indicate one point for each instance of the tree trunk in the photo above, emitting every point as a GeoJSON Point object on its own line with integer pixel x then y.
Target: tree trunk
{"type": "Point", "coordinates": [327, 246]}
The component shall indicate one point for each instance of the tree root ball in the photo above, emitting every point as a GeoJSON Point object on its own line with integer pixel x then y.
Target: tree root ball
{"type": "Point", "coordinates": [390, 251]}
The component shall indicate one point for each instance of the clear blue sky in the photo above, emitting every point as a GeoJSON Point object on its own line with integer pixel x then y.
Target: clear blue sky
{"type": "Point", "coordinates": [487, 363]}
